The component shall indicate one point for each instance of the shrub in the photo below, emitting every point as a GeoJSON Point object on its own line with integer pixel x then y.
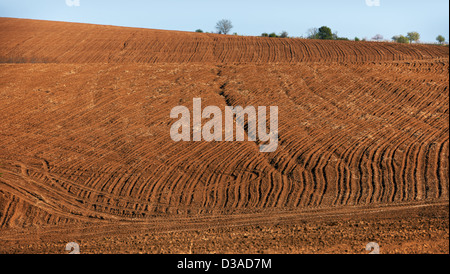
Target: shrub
{"type": "Point", "coordinates": [400, 39]}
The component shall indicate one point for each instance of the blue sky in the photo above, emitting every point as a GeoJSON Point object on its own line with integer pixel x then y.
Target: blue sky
{"type": "Point", "coordinates": [350, 18]}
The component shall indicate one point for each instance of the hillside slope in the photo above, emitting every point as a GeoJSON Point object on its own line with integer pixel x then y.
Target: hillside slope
{"type": "Point", "coordinates": [58, 42]}
{"type": "Point", "coordinates": [85, 147]}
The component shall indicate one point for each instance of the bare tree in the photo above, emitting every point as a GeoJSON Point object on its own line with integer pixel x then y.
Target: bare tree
{"type": "Point", "coordinates": [335, 35]}
{"type": "Point", "coordinates": [224, 26]}
{"type": "Point", "coordinates": [313, 33]}
{"type": "Point", "coordinates": [284, 34]}
{"type": "Point", "coordinates": [378, 37]}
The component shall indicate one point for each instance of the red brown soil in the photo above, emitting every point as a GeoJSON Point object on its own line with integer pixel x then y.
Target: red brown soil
{"type": "Point", "coordinates": [86, 153]}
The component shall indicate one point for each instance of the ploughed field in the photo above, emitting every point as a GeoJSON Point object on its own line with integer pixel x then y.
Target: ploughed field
{"type": "Point", "coordinates": [86, 154]}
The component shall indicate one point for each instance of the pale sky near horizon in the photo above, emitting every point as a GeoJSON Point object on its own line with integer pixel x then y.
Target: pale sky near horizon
{"type": "Point", "coordinates": [350, 18]}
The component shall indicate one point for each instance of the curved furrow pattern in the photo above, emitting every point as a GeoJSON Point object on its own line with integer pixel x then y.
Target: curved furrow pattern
{"type": "Point", "coordinates": [87, 138]}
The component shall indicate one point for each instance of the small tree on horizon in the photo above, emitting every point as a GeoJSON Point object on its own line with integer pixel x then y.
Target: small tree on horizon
{"type": "Point", "coordinates": [284, 34]}
{"type": "Point", "coordinates": [413, 36]}
{"type": "Point", "coordinates": [335, 35]}
{"type": "Point", "coordinates": [199, 31]}
{"type": "Point", "coordinates": [313, 33]}
{"type": "Point", "coordinates": [325, 33]}
{"type": "Point", "coordinates": [440, 39]}
{"type": "Point", "coordinates": [224, 26]}
{"type": "Point", "coordinates": [378, 37]}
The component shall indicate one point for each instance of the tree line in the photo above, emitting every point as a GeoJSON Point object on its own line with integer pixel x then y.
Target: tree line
{"type": "Point", "coordinates": [224, 26]}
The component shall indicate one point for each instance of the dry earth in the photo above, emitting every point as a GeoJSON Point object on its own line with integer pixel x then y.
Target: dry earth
{"type": "Point", "coordinates": [86, 153]}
